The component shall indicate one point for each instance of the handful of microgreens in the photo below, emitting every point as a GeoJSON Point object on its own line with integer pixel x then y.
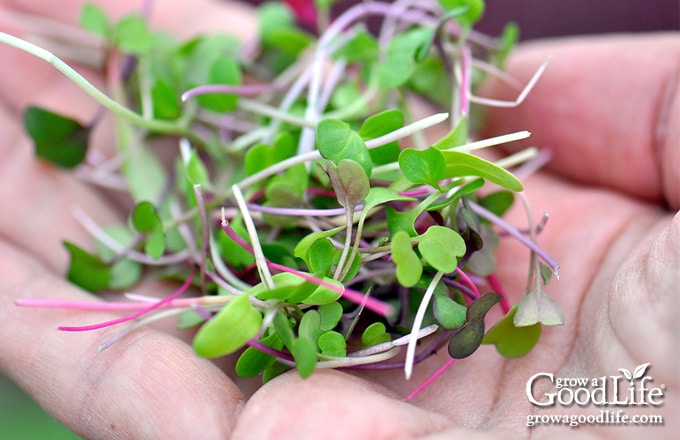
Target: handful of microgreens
{"type": "Point", "coordinates": [321, 226]}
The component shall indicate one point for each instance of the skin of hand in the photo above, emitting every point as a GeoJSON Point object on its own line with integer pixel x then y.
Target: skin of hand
{"type": "Point", "coordinates": [608, 108]}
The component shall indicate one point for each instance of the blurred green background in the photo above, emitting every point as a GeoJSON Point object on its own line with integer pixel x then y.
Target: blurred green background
{"type": "Point", "coordinates": [23, 419]}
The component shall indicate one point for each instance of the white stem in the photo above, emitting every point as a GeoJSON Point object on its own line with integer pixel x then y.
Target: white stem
{"type": "Point", "coordinates": [493, 141]}
{"type": "Point", "coordinates": [417, 322]}
{"type": "Point", "coordinates": [260, 260]}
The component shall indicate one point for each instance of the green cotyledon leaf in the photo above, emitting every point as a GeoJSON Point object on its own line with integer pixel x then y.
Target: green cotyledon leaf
{"type": "Point", "coordinates": [229, 330]}
{"type": "Point", "coordinates": [460, 164]}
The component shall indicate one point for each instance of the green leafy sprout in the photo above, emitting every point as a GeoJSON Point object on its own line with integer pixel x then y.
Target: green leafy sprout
{"type": "Point", "coordinates": [311, 217]}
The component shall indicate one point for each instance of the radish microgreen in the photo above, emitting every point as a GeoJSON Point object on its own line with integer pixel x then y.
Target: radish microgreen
{"type": "Point", "coordinates": [327, 225]}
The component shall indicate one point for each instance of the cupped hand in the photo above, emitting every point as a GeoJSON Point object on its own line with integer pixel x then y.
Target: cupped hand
{"type": "Point", "coordinates": [608, 108]}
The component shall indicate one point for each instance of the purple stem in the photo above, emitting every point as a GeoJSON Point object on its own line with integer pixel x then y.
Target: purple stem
{"type": "Point", "coordinates": [269, 350]}
{"type": "Point", "coordinates": [300, 212]}
{"type": "Point", "coordinates": [243, 90]}
{"type": "Point", "coordinates": [485, 213]}
{"type": "Point", "coordinates": [460, 286]}
{"type": "Point", "coordinates": [427, 352]}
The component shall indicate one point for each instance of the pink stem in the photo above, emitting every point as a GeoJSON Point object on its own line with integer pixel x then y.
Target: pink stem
{"type": "Point", "coordinates": [101, 305]}
{"type": "Point", "coordinates": [132, 316]}
{"type": "Point", "coordinates": [465, 80]}
{"type": "Point", "coordinates": [468, 281]}
{"type": "Point", "coordinates": [356, 297]}
{"type": "Point", "coordinates": [497, 287]}
{"type": "Point", "coordinates": [429, 380]}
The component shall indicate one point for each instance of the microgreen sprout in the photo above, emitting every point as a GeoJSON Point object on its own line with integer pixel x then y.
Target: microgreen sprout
{"type": "Point", "coordinates": [326, 223]}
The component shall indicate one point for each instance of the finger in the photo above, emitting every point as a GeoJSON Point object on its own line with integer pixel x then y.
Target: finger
{"type": "Point", "coordinates": [333, 403]}
{"type": "Point", "coordinates": [148, 385]}
{"type": "Point", "coordinates": [607, 107]}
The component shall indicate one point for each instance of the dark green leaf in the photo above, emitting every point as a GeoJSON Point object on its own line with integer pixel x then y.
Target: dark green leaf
{"type": "Point", "coordinates": [280, 193]}
{"type": "Point", "coordinates": [57, 139]}
{"type": "Point", "coordinates": [86, 270]}
{"type": "Point", "coordinates": [480, 307]}
{"type": "Point", "coordinates": [467, 340]}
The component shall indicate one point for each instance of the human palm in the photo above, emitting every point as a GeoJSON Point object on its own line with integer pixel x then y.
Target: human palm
{"type": "Point", "coordinates": [612, 189]}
